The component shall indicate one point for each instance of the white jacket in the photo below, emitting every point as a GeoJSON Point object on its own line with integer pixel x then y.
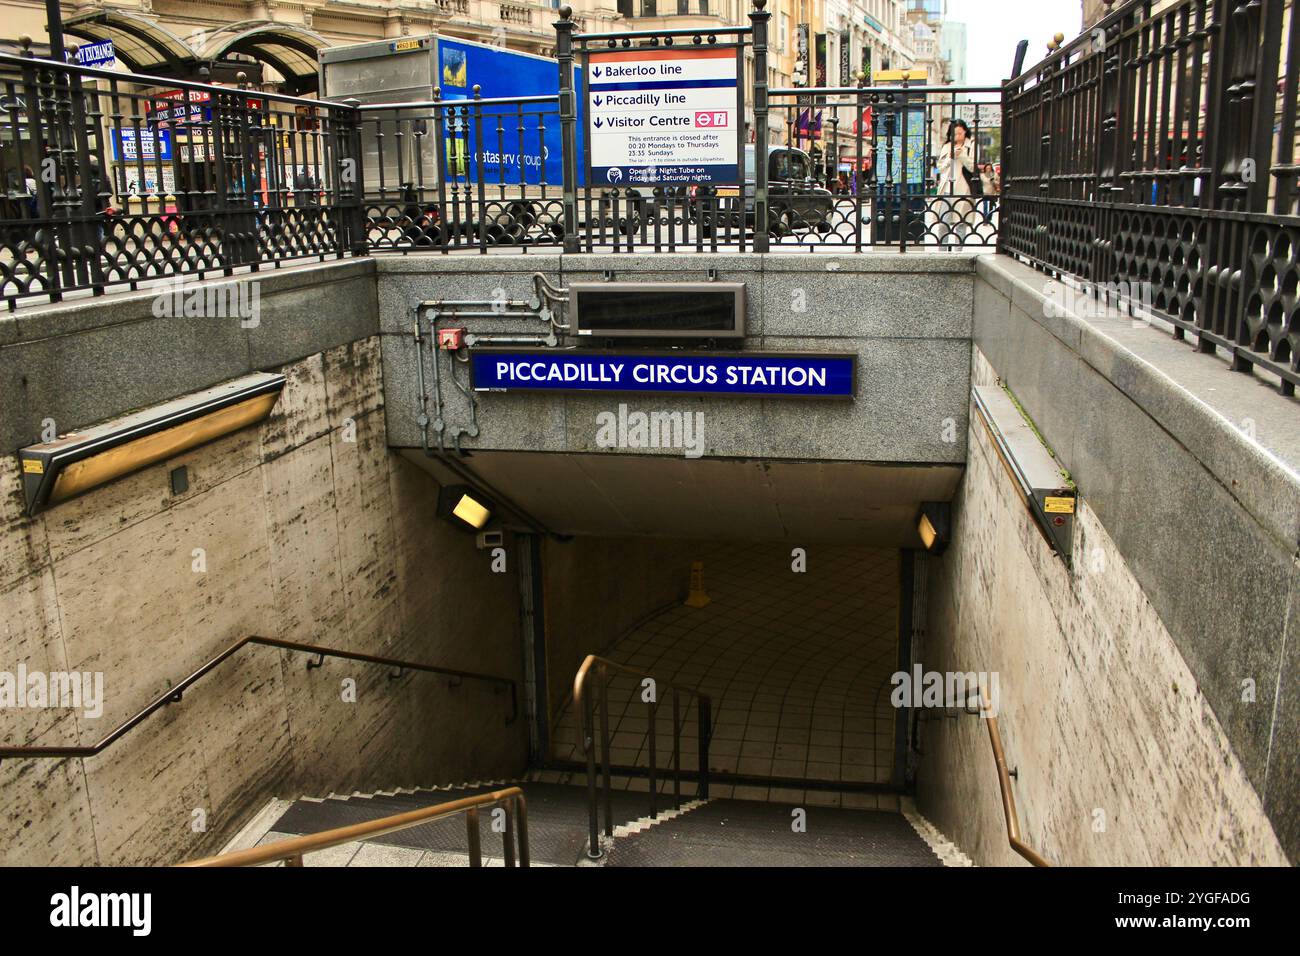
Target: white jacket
{"type": "Point", "coordinates": [952, 181]}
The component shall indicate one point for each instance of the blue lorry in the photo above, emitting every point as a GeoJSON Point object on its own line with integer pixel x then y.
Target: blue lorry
{"type": "Point", "coordinates": [512, 149]}
{"type": "Point", "coordinates": [509, 150]}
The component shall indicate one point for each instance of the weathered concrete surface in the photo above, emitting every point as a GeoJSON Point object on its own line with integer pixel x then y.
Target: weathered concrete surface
{"type": "Point", "coordinates": [1194, 472]}
{"type": "Point", "coordinates": [80, 362]}
{"type": "Point", "coordinates": [305, 528]}
{"type": "Point", "coordinates": [908, 319]}
{"type": "Point", "coordinates": [1121, 758]}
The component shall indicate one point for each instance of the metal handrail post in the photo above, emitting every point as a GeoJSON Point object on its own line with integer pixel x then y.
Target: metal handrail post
{"type": "Point", "coordinates": [758, 18]}
{"type": "Point", "coordinates": [471, 832]}
{"type": "Point", "coordinates": [568, 127]}
{"type": "Point", "coordinates": [604, 750]}
{"type": "Point", "coordinates": [653, 712]}
{"type": "Point", "coordinates": [589, 744]}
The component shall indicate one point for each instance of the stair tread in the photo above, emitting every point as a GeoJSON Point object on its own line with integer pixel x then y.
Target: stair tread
{"type": "Point", "coordinates": [557, 819]}
{"type": "Point", "coordinates": [747, 833]}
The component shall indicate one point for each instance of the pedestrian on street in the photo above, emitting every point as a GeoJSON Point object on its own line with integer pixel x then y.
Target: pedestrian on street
{"type": "Point", "coordinates": [992, 189]}
{"type": "Point", "coordinates": [956, 169]}
{"type": "Point", "coordinates": [29, 185]}
{"type": "Point", "coordinates": [101, 200]}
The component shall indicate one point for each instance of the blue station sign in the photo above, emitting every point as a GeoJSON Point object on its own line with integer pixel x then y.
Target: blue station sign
{"type": "Point", "coordinates": [753, 374]}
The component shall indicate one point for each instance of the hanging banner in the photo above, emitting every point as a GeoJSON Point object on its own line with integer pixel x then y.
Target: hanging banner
{"type": "Point", "coordinates": [846, 58]}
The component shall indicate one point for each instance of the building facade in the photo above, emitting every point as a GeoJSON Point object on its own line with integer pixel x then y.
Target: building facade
{"type": "Point", "coordinates": [275, 43]}
{"type": "Point", "coordinates": [1094, 10]}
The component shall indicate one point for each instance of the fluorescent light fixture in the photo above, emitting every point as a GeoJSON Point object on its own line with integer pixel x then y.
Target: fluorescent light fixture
{"type": "Point", "coordinates": [464, 507]}
{"type": "Point", "coordinates": [1042, 483]}
{"type": "Point", "coordinates": [78, 462]}
{"type": "Point", "coordinates": [935, 526]}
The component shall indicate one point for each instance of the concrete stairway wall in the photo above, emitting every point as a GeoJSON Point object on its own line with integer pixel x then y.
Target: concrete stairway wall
{"type": "Point", "coordinates": [309, 529]}
{"type": "Point", "coordinates": [1151, 692]}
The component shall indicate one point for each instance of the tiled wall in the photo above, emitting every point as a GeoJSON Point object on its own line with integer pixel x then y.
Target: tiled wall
{"type": "Point", "coordinates": [797, 664]}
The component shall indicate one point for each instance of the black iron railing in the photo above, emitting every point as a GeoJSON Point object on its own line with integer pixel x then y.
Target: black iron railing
{"type": "Point", "coordinates": [174, 692]}
{"type": "Point", "coordinates": [1155, 159]}
{"type": "Point", "coordinates": [463, 173]}
{"type": "Point", "coordinates": [112, 179]}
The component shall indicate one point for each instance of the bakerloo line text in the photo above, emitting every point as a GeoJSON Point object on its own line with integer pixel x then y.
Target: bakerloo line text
{"type": "Point", "coordinates": [647, 373]}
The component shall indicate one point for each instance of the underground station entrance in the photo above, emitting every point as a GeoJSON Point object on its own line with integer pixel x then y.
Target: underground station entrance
{"type": "Point", "coordinates": [711, 619]}
{"type": "Point", "coordinates": [732, 703]}
{"type": "Point", "coordinates": [771, 688]}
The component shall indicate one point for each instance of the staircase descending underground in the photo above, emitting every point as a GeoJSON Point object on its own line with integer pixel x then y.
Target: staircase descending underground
{"type": "Point", "coordinates": [714, 832]}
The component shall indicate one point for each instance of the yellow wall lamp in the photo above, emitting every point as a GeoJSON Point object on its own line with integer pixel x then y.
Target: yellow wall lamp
{"type": "Point", "coordinates": [464, 507]}
{"type": "Point", "coordinates": [934, 524]}
{"type": "Point", "coordinates": [78, 462]}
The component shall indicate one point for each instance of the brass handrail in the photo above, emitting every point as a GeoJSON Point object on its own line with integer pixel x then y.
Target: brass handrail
{"type": "Point", "coordinates": [584, 705]}
{"type": "Point", "coordinates": [173, 694]}
{"type": "Point", "coordinates": [292, 850]}
{"type": "Point", "coordinates": [1004, 781]}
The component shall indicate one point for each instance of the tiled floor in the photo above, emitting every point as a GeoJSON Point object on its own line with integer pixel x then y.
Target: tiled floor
{"type": "Point", "coordinates": [797, 666]}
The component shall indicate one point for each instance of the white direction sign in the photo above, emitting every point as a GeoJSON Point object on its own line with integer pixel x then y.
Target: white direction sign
{"type": "Point", "coordinates": [662, 115]}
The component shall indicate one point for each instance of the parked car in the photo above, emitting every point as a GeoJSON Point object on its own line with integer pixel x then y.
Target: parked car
{"type": "Point", "coordinates": [795, 200]}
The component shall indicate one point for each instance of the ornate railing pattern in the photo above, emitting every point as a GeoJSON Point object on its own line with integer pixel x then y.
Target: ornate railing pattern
{"type": "Point", "coordinates": [115, 179]}
{"type": "Point", "coordinates": [1156, 158]}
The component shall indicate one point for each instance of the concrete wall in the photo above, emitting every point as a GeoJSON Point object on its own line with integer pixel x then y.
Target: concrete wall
{"type": "Point", "coordinates": [310, 530]}
{"type": "Point", "coordinates": [1158, 681]}
{"type": "Point", "coordinates": [908, 318]}
{"type": "Point", "coordinates": [92, 359]}
{"type": "Point", "coordinates": [1099, 711]}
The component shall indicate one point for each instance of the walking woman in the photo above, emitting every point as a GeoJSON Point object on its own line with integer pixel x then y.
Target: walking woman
{"type": "Point", "coordinates": [992, 189]}
{"type": "Point", "coordinates": [956, 168]}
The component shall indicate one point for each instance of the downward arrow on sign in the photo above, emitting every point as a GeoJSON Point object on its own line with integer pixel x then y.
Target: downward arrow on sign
{"type": "Point", "coordinates": [595, 71]}
{"type": "Point", "coordinates": [598, 101]}
{"type": "Point", "coordinates": [597, 122]}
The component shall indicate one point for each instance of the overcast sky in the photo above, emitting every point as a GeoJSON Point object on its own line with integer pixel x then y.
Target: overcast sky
{"type": "Point", "coordinates": [994, 27]}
